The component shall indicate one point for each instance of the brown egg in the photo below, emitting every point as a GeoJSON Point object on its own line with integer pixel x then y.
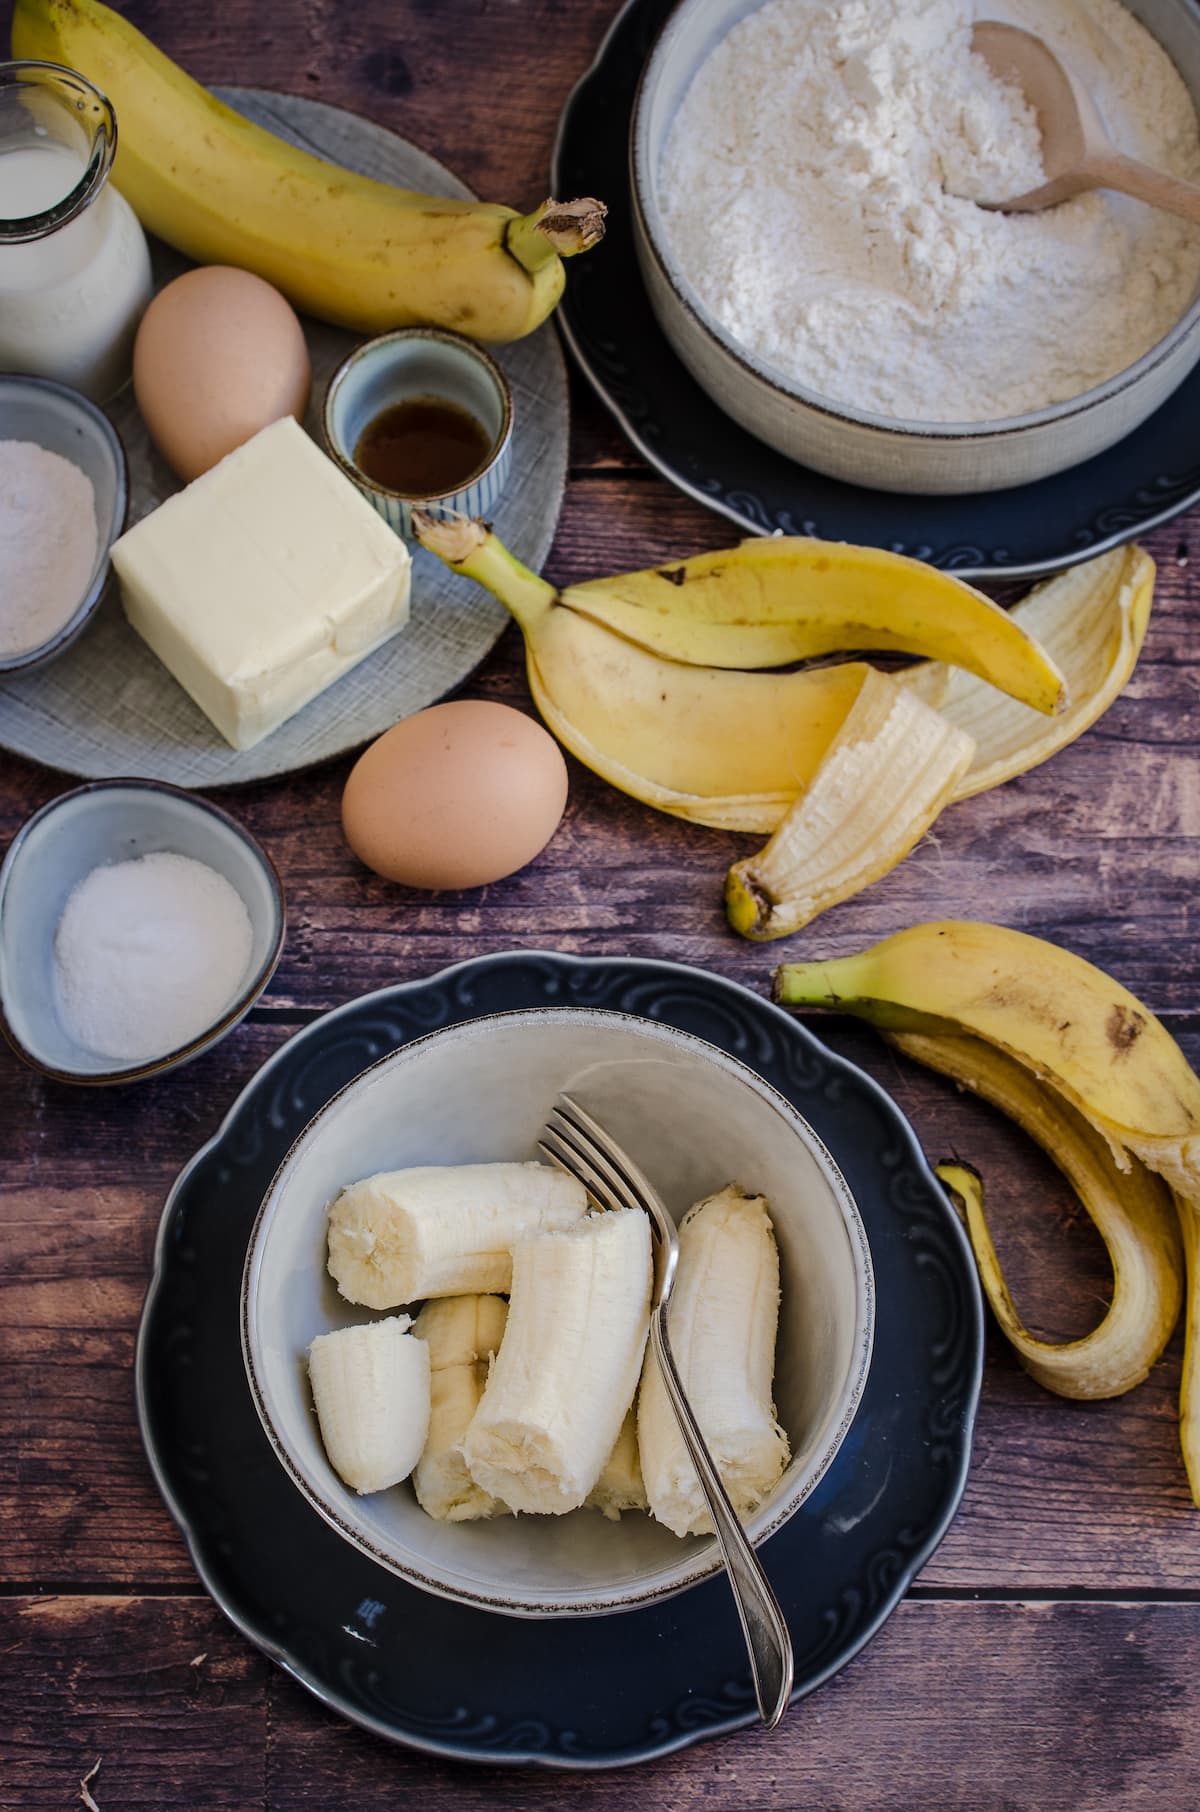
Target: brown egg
{"type": "Point", "coordinates": [219, 355]}
{"type": "Point", "coordinates": [455, 796]}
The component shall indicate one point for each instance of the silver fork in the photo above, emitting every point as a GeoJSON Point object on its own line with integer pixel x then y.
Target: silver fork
{"type": "Point", "coordinates": [573, 1141]}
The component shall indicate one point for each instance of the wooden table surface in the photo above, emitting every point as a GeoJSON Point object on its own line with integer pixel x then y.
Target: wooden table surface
{"type": "Point", "coordinates": [1047, 1656]}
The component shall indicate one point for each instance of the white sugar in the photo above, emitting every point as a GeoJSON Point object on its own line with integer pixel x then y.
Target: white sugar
{"type": "Point", "coordinates": [149, 954]}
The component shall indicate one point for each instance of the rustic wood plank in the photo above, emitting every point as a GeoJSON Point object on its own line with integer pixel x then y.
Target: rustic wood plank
{"type": "Point", "coordinates": [1069, 1708]}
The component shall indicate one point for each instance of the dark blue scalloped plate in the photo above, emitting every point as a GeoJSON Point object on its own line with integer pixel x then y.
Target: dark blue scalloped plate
{"type": "Point", "coordinates": [608, 323]}
{"type": "Point", "coordinates": [466, 1683]}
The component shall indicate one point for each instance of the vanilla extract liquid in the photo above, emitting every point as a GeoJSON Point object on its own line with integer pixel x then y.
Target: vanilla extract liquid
{"type": "Point", "coordinates": [424, 447]}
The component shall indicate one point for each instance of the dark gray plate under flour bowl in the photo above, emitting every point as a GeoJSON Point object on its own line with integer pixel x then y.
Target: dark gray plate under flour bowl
{"type": "Point", "coordinates": [451, 1678]}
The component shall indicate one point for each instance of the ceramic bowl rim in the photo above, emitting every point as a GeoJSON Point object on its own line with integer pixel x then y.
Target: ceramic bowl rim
{"type": "Point", "coordinates": [97, 590]}
{"type": "Point", "coordinates": [246, 998]}
{"type": "Point", "coordinates": [649, 232]}
{"type": "Point", "coordinates": [706, 1561]}
{"type": "Point", "coordinates": [438, 336]}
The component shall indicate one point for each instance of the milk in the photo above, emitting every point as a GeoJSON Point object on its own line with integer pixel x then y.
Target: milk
{"type": "Point", "coordinates": [70, 301]}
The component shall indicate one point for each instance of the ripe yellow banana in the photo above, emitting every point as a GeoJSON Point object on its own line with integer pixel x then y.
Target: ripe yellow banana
{"type": "Point", "coordinates": [463, 1334]}
{"type": "Point", "coordinates": [1092, 622]}
{"type": "Point", "coordinates": [887, 774]}
{"type": "Point", "coordinates": [723, 1321]}
{"type": "Point", "coordinates": [344, 247]}
{"type": "Point", "coordinates": [1132, 1211]}
{"type": "Point", "coordinates": [447, 1230]}
{"type": "Point", "coordinates": [370, 1387]}
{"type": "Point", "coordinates": [768, 602]}
{"type": "Point", "coordinates": [568, 1365]}
{"type": "Point", "coordinates": [1070, 1024]}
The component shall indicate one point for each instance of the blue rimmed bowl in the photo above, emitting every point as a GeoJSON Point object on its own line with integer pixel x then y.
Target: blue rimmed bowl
{"type": "Point", "coordinates": [117, 821]}
{"type": "Point", "coordinates": [420, 362]}
{"type": "Point", "coordinates": [63, 421]}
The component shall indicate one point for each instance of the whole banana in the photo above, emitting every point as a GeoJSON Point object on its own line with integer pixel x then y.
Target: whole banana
{"type": "Point", "coordinates": [346, 248]}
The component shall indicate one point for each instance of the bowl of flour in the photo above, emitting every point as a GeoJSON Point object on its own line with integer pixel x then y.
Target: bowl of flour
{"type": "Point", "coordinates": [807, 177]}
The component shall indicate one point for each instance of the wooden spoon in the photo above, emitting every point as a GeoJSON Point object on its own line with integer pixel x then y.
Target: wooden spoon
{"type": "Point", "coordinates": [1077, 152]}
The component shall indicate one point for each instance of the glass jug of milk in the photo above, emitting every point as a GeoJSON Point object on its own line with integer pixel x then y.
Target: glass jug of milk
{"type": "Point", "coordinates": [74, 265]}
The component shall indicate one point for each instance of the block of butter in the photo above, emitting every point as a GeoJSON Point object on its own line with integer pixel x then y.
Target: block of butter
{"type": "Point", "coordinates": [263, 582]}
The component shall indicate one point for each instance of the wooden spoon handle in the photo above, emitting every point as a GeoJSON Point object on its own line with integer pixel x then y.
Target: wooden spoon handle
{"type": "Point", "coordinates": [1112, 170]}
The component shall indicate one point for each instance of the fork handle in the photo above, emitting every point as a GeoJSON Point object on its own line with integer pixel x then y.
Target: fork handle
{"type": "Point", "coordinates": [767, 1638]}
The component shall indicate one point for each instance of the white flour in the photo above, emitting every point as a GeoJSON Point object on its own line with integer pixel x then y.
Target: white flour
{"type": "Point", "coordinates": [813, 191]}
{"type": "Point", "coordinates": [48, 543]}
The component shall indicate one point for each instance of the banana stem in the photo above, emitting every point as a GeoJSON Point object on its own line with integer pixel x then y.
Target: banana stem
{"type": "Point", "coordinates": [470, 547]}
{"type": "Point", "coordinates": [558, 229]}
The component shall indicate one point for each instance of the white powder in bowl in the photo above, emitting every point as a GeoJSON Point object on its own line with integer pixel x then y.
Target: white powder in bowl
{"type": "Point", "coordinates": [49, 543]}
{"type": "Point", "coordinates": [814, 190]}
{"type": "Point", "coordinates": [149, 954]}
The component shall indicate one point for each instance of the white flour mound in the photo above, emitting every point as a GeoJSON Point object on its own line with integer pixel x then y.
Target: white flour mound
{"type": "Point", "coordinates": [814, 189]}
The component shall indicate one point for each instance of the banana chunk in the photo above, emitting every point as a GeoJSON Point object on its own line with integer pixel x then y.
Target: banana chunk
{"type": "Point", "coordinates": [463, 1334]}
{"type": "Point", "coordinates": [568, 1366]}
{"type": "Point", "coordinates": [620, 1485]}
{"type": "Point", "coordinates": [370, 1385]}
{"type": "Point", "coordinates": [723, 1321]}
{"type": "Point", "coordinates": [405, 1235]}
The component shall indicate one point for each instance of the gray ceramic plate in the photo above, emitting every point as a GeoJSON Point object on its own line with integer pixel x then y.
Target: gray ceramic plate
{"type": "Point", "coordinates": [108, 707]}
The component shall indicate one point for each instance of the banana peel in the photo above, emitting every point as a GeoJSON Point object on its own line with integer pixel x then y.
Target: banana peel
{"type": "Point", "coordinates": [1132, 1211]}
{"type": "Point", "coordinates": [1074, 1028]}
{"type": "Point", "coordinates": [887, 774]}
{"type": "Point", "coordinates": [1092, 622]}
{"type": "Point", "coordinates": [711, 745]}
{"type": "Point", "coordinates": [345, 247]}
{"type": "Point", "coordinates": [772, 601]}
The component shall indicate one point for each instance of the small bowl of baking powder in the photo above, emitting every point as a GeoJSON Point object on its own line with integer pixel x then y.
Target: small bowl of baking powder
{"type": "Point", "coordinates": [138, 924]}
{"type": "Point", "coordinates": [64, 498]}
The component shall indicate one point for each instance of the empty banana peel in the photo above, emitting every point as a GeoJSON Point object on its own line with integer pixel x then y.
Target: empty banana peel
{"type": "Point", "coordinates": [887, 774]}
{"type": "Point", "coordinates": [1079, 1034]}
{"type": "Point", "coordinates": [1092, 622]}
{"type": "Point", "coordinates": [1131, 1209]}
{"type": "Point", "coordinates": [769, 602]}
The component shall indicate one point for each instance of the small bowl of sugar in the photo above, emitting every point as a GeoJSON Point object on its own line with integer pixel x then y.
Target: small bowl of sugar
{"type": "Point", "coordinates": [138, 924]}
{"type": "Point", "coordinates": [64, 498]}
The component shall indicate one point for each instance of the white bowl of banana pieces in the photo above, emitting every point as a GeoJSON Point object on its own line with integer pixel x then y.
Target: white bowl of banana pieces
{"type": "Point", "coordinates": [475, 1095]}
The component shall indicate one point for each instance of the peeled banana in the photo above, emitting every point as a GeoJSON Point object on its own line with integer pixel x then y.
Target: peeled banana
{"type": "Point", "coordinates": [723, 1321]}
{"type": "Point", "coordinates": [1073, 1027]}
{"type": "Point", "coordinates": [620, 1485]}
{"type": "Point", "coordinates": [346, 248]}
{"type": "Point", "coordinates": [405, 1235]}
{"type": "Point", "coordinates": [463, 1334]}
{"type": "Point", "coordinates": [568, 1364]}
{"type": "Point", "coordinates": [887, 774]}
{"type": "Point", "coordinates": [1132, 1211]}
{"type": "Point", "coordinates": [771, 601]}
{"type": "Point", "coordinates": [370, 1387]}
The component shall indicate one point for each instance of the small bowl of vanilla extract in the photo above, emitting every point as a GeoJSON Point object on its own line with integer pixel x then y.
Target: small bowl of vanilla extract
{"type": "Point", "coordinates": [421, 419]}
